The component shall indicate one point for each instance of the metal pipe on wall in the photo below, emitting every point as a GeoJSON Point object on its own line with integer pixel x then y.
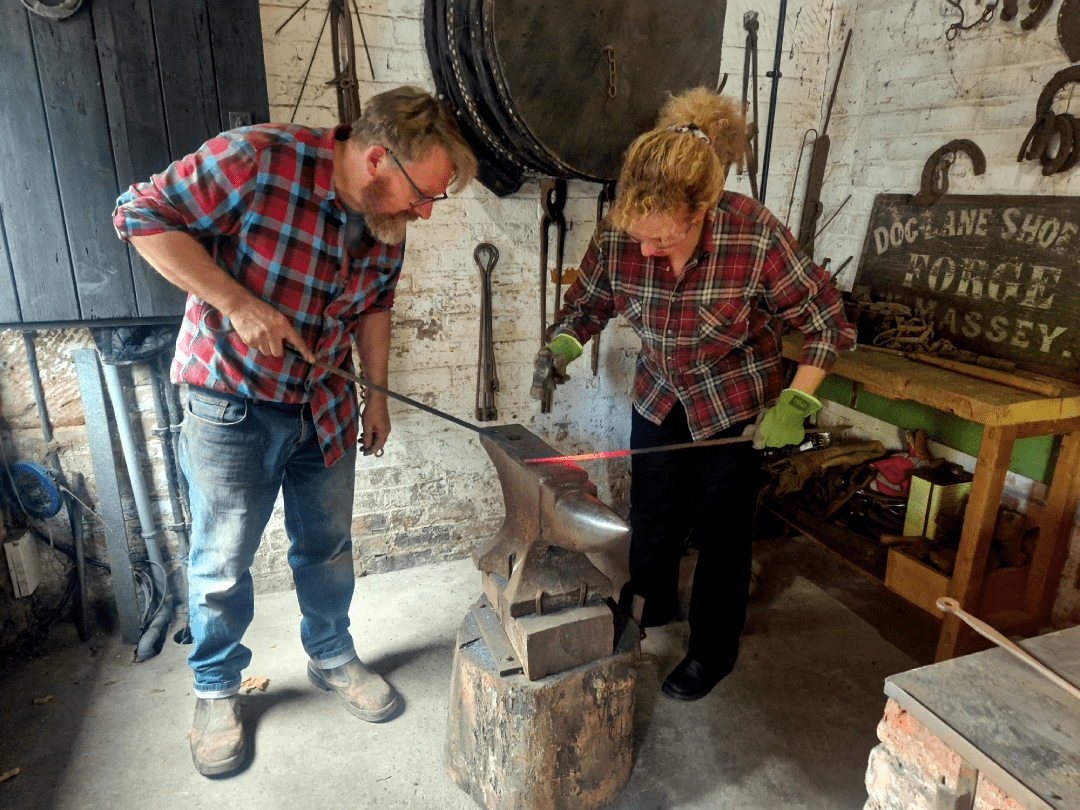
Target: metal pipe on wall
{"type": "Point", "coordinates": [773, 74]}
{"type": "Point", "coordinates": [148, 644]}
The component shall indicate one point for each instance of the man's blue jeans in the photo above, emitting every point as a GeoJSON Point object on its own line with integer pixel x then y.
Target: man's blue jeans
{"type": "Point", "coordinates": [237, 454]}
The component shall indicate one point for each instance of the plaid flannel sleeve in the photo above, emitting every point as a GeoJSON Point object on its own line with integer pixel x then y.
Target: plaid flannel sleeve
{"type": "Point", "coordinates": [206, 193]}
{"type": "Point", "coordinates": [803, 297]}
{"type": "Point", "coordinates": [589, 303]}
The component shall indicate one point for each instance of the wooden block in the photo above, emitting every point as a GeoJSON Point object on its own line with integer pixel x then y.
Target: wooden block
{"type": "Point", "coordinates": [564, 741]}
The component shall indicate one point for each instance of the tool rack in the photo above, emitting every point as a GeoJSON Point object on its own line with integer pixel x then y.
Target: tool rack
{"type": "Point", "coordinates": [1006, 414]}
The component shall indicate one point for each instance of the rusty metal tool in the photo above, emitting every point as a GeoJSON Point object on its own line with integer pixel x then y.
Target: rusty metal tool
{"type": "Point", "coordinates": [750, 80]}
{"type": "Point", "coordinates": [486, 256]}
{"type": "Point", "coordinates": [950, 605]}
{"type": "Point", "coordinates": [603, 202]}
{"type": "Point", "coordinates": [552, 200]}
{"type": "Point", "coordinates": [819, 156]}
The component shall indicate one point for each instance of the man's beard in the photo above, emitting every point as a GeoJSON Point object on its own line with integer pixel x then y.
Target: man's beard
{"type": "Point", "coordinates": [387, 228]}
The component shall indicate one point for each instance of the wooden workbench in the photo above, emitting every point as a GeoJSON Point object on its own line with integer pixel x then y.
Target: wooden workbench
{"type": "Point", "coordinates": [1006, 414]}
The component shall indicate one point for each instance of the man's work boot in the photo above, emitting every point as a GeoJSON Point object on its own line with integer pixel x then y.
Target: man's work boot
{"type": "Point", "coordinates": [365, 694]}
{"type": "Point", "coordinates": [217, 736]}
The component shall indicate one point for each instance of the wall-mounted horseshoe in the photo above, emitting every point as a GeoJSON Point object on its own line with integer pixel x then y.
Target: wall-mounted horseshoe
{"type": "Point", "coordinates": [1009, 9]}
{"type": "Point", "coordinates": [1039, 9]}
{"type": "Point", "coordinates": [1037, 142]}
{"type": "Point", "coordinates": [935, 176]}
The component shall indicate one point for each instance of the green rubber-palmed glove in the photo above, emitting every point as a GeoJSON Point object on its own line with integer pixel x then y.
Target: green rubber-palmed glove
{"type": "Point", "coordinates": [566, 349]}
{"type": "Point", "coordinates": [782, 424]}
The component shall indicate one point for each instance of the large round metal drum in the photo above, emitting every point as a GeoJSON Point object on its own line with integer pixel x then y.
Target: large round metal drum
{"type": "Point", "coordinates": [561, 87]}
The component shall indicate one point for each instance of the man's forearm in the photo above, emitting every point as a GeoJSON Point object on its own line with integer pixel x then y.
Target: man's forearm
{"type": "Point", "coordinates": [182, 260]}
{"type": "Point", "coordinates": [373, 346]}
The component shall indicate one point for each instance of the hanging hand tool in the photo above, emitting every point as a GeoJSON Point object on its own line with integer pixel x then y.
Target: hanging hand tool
{"type": "Point", "coordinates": [775, 75]}
{"type": "Point", "coordinates": [750, 76]}
{"type": "Point", "coordinates": [812, 208]}
{"type": "Point", "coordinates": [553, 198]}
{"type": "Point", "coordinates": [486, 256]}
{"type": "Point", "coordinates": [345, 80]}
{"type": "Point", "coordinates": [603, 201]}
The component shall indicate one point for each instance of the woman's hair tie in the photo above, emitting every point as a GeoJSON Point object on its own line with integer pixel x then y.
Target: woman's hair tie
{"type": "Point", "coordinates": [692, 129]}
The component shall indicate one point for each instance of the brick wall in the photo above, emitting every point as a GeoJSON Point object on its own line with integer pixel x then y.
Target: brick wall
{"type": "Point", "coordinates": [914, 770]}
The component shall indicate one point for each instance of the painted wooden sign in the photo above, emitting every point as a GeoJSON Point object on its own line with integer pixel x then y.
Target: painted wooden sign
{"type": "Point", "coordinates": [996, 275]}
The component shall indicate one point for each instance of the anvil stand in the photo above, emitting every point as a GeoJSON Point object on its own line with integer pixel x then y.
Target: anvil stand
{"type": "Point", "coordinates": [542, 692]}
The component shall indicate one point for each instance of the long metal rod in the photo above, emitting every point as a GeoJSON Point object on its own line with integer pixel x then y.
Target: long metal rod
{"type": "Point", "coordinates": [774, 74]}
{"type": "Point", "coordinates": [366, 383]}
{"type": "Point", "coordinates": [666, 447]}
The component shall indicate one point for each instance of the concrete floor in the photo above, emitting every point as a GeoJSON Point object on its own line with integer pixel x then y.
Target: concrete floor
{"type": "Point", "coordinates": [791, 728]}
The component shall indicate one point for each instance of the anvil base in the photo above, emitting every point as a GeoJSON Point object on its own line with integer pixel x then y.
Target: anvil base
{"type": "Point", "coordinates": [557, 640]}
{"type": "Point", "coordinates": [563, 742]}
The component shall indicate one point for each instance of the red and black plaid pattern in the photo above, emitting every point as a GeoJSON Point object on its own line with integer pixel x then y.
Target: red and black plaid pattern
{"type": "Point", "coordinates": [710, 339]}
{"type": "Point", "coordinates": [261, 200]}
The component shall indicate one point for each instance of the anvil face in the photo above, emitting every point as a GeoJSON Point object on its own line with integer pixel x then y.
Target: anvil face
{"type": "Point", "coordinates": [547, 505]}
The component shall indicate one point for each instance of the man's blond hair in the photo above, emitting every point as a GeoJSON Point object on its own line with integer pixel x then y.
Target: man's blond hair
{"type": "Point", "coordinates": [410, 122]}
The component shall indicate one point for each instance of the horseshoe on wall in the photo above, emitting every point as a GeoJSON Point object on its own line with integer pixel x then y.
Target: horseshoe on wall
{"type": "Point", "coordinates": [60, 11]}
{"type": "Point", "coordinates": [1036, 145]}
{"type": "Point", "coordinates": [935, 176]}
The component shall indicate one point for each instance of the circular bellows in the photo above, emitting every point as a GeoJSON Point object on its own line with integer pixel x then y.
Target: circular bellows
{"type": "Point", "coordinates": [36, 490]}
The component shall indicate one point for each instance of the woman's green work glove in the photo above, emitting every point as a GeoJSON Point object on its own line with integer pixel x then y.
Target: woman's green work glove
{"type": "Point", "coordinates": [565, 349]}
{"type": "Point", "coordinates": [782, 424]}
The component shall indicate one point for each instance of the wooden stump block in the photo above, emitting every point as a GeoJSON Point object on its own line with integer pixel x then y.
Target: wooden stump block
{"type": "Point", "coordinates": [563, 742]}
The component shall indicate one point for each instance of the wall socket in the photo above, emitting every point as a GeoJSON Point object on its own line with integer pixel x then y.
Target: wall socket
{"type": "Point", "coordinates": [24, 564]}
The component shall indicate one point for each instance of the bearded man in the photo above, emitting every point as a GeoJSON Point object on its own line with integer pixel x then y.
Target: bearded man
{"type": "Point", "coordinates": [291, 238]}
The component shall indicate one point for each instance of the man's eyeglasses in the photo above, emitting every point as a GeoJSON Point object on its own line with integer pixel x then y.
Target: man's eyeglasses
{"type": "Point", "coordinates": [665, 244]}
{"type": "Point", "coordinates": [421, 198]}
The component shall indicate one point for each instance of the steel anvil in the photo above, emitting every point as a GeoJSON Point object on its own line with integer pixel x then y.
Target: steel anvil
{"type": "Point", "coordinates": [549, 597]}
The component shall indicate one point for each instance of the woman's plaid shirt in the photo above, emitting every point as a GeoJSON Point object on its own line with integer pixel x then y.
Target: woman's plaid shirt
{"type": "Point", "coordinates": [710, 339]}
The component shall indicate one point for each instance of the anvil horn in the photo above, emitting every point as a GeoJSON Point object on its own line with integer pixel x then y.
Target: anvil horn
{"type": "Point", "coordinates": [551, 505]}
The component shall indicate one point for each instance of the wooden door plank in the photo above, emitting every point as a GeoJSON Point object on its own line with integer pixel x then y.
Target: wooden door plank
{"type": "Point", "coordinates": [9, 299]}
{"type": "Point", "coordinates": [236, 38]}
{"type": "Point", "coordinates": [82, 154]}
{"type": "Point", "coordinates": [182, 32]}
{"type": "Point", "coordinates": [29, 195]}
{"type": "Point", "coordinates": [132, 87]}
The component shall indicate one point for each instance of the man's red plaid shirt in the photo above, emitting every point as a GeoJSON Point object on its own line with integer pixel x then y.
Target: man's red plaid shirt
{"type": "Point", "coordinates": [261, 200]}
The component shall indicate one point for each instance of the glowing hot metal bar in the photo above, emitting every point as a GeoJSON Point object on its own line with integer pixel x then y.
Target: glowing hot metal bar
{"type": "Point", "coordinates": [664, 448]}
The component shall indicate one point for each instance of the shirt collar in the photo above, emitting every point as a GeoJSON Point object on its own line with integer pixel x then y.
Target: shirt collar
{"type": "Point", "coordinates": [324, 172]}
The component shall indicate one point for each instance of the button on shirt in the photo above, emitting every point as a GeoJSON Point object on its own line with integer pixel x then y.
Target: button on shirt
{"type": "Point", "coordinates": [710, 338]}
{"type": "Point", "coordinates": [261, 200]}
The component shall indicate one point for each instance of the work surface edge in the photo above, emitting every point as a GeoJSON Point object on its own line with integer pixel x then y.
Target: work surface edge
{"type": "Point", "coordinates": [980, 401]}
{"type": "Point", "coordinates": [1004, 718]}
